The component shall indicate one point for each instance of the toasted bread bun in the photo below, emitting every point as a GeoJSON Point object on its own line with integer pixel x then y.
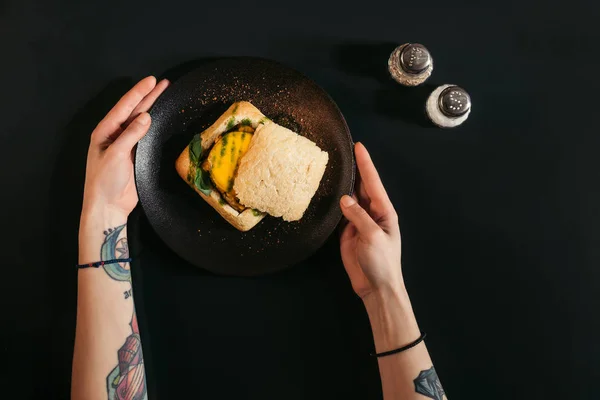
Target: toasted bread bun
{"type": "Point", "coordinates": [239, 113]}
{"type": "Point", "coordinates": [280, 173]}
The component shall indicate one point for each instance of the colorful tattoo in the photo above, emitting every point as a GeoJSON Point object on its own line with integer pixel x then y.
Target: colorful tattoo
{"type": "Point", "coordinates": [428, 384]}
{"type": "Point", "coordinates": [112, 248]}
{"type": "Point", "coordinates": [127, 381]}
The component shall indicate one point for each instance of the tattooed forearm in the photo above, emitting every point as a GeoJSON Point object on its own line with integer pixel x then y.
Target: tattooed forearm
{"type": "Point", "coordinates": [127, 380]}
{"type": "Point", "coordinates": [428, 384]}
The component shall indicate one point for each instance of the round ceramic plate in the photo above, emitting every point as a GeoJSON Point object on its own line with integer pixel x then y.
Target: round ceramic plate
{"type": "Point", "coordinates": [184, 221]}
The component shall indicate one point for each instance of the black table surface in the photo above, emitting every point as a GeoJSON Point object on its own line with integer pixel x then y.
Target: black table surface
{"type": "Point", "coordinates": [500, 217]}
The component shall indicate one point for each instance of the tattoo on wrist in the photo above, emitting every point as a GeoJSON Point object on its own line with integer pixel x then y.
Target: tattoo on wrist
{"type": "Point", "coordinates": [428, 384]}
{"type": "Point", "coordinates": [114, 247]}
{"type": "Point", "coordinates": [127, 381]}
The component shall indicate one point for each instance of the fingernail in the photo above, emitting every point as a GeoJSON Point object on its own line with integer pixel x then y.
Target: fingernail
{"type": "Point", "coordinates": [347, 201]}
{"type": "Point", "coordinates": [144, 118]}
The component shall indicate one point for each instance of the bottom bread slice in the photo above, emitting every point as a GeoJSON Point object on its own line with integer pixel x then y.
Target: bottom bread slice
{"type": "Point", "coordinates": [243, 221]}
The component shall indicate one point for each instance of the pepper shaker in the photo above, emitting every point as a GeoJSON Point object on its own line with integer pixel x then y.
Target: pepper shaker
{"type": "Point", "coordinates": [410, 64]}
{"type": "Point", "coordinates": [448, 106]}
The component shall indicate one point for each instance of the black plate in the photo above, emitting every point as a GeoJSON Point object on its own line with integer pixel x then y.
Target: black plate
{"type": "Point", "coordinates": [185, 222]}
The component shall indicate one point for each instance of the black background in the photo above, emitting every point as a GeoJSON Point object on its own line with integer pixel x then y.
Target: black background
{"type": "Point", "coordinates": [499, 217]}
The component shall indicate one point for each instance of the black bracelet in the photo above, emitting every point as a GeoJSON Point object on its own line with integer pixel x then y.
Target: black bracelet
{"type": "Point", "coordinates": [401, 349]}
{"type": "Point", "coordinates": [101, 263]}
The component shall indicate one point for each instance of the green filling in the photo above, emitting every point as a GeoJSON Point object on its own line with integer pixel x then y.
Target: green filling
{"type": "Point", "coordinates": [233, 154]}
{"type": "Point", "coordinates": [202, 181]}
{"type": "Point", "coordinates": [231, 123]}
{"type": "Point", "coordinates": [224, 139]}
{"type": "Point", "coordinates": [195, 149]}
{"type": "Point", "coordinates": [196, 175]}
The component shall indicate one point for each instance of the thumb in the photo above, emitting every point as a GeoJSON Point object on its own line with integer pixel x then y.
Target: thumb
{"type": "Point", "coordinates": [133, 133]}
{"type": "Point", "coordinates": [359, 217]}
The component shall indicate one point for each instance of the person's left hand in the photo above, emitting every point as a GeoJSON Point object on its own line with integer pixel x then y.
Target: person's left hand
{"type": "Point", "coordinates": [109, 182]}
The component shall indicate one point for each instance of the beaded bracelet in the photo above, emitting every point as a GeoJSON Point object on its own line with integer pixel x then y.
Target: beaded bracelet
{"type": "Point", "coordinates": [101, 263]}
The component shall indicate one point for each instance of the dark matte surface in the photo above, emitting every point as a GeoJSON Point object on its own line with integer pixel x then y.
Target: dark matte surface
{"type": "Point", "coordinates": [499, 217]}
{"type": "Point", "coordinates": [185, 222]}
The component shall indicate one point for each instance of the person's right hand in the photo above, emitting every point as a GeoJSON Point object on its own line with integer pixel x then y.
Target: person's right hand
{"type": "Point", "coordinates": [370, 242]}
{"type": "Point", "coordinates": [370, 246]}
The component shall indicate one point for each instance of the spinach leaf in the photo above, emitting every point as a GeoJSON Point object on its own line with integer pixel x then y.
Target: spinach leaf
{"type": "Point", "coordinates": [197, 175]}
{"type": "Point", "coordinates": [195, 149]}
{"type": "Point", "coordinates": [202, 181]}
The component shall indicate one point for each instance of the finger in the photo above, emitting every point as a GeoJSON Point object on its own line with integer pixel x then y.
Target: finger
{"type": "Point", "coordinates": [134, 132]}
{"type": "Point", "coordinates": [148, 101]}
{"type": "Point", "coordinates": [348, 252]}
{"type": "Point", "coordinates": [143, 106]}
{"type": "Point", "coordinates": [358, 217]}
{"type": "Point", "coordinates": [362, 191]}
{"type": "Point", "coordinates": [369, 175]}
{"type": "Point", "coordinates": [344, 222]}
{"type": "Point", "coordinates": [380, 208]}
{"type": "Point", "coordinates": [360, 194]}
{"type": "Point", "coordinates": [124, 107]}
{"type": "Point", "coordinates": [348, 231]}
{"type": "Point", "coordinates": [359, 189]}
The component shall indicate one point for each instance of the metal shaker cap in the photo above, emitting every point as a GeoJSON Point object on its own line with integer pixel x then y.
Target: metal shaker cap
{"type": "Point", "coordinates": [454, 101]}
{"type": "Point", "coordinates": [448, 106]}
{"type": "Point", "coordinates": [415, 58]}
{"type": "Point", "coordinates": [410, 64]}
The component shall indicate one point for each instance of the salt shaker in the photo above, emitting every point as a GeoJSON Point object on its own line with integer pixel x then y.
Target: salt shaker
{"type": "Point", "coordinates": [448, 106]}
{"type": "Point", "coordinates": [410, 64]}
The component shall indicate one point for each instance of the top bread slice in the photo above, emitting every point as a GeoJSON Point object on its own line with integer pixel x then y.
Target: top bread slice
{"type": "Point", "coordinates": [239, 113]}
{"type": "Point", "coordinates": [280, 173]}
